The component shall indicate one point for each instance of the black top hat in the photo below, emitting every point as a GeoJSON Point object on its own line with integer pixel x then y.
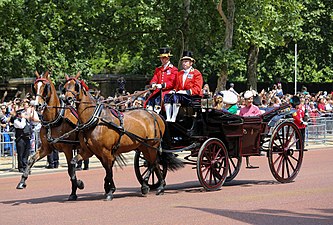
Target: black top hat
{"type": "Point", "coordinates": [188, 55]}
{"type": "Point", "coordinates": [165, 52]}
{"type": "Point", "coordinates": [295, 100]}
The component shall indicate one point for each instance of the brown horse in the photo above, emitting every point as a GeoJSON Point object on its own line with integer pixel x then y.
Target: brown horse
{"type": "Point", "coordinates": [57, 132]}
{"type": "Point", "coordinates": [108, 133]}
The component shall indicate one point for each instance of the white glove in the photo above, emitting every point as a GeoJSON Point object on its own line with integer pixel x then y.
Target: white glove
{"type": "Point", "coordinates": [159, 86]}
{"type": "Point", "coordinates": [305, 123]}
{"type": "Point", "coordinates": [182, 92]}
{"type": "Point", "coordinates": [171, 92]}
{"type": "Point", "coordinates": [153, 85]}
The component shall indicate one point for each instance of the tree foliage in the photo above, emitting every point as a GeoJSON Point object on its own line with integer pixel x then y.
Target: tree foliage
{"type": "Point", "coordinates": [118, 36]}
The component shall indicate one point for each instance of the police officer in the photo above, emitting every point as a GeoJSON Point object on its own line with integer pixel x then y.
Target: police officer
{"type": "Point", "coordinates": [22, 139]}
{"type": "Point", "coordinates": [189, 83]}
{"type": "Point", "coordinates": [163, 81]}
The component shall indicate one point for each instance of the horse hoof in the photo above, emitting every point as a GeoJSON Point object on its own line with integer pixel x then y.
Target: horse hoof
{"type": "Point", "coordinates": [108, 198]}
{"type": "Point", "coordinates": [145, 191]}
{"type": "Point", "coordinates": [80, 184]}
{"type": "Point", "coordinates": [160, 192]}
{"type": "Point", "coordinates": [21, 186]}
{"type": "Point", "coordinates": [72, 198]}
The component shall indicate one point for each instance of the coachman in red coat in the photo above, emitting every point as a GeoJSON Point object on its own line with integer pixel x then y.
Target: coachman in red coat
{"type": "Point", "coordinates": [162, 82]}
{"type": "Point", "coordinates": [189, 83]}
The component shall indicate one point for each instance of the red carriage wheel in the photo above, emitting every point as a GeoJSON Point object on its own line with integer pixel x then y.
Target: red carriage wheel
{"type": "Point", "coordinates": [285, 153]}
{"type": "Point", "coordinates": [235, 164]}
{"type": "Point", "coordinates": [212, 164]}
{"type": "Point", "coordinates": [141, 166]}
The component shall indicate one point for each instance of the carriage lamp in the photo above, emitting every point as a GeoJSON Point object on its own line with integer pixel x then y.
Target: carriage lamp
{"type": "Point", "coordinates": [206, 103]}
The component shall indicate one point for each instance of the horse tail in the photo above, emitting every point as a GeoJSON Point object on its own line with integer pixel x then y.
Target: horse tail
{"type": "Point", "coordinates": [171, 160]}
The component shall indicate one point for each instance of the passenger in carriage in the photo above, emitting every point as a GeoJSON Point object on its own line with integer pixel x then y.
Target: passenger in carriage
{"type": "Point", "coordinates": [230, 100]}
{"type": "Point", "coordinates": [189, 83]}
{"type": "Point", "coordinates": [218, 101]}
{"type": "Point", "coordinates": [249, 109]}
{"type": "Point", "coordinates": [162, 82]}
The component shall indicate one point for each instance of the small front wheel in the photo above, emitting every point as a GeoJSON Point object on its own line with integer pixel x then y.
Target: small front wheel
{"type": "Point", "coordinates": [212, 164]}
{"type": "Point", "coordinates": [141, 166]}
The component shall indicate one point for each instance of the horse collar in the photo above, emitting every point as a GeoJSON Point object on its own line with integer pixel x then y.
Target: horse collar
{"type": "Point", "coordinates": [93, 119]}
{"type": "Point", "coordinates": [57, 120]}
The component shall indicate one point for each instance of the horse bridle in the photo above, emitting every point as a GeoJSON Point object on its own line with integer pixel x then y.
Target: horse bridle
{"type": "Point", "coordinates": [46, 90]}
{"type": "Point", "coordinates": [77, 91]}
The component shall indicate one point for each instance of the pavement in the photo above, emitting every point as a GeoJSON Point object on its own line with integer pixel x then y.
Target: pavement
{"type": "Point", "coordinates": [8, 165]}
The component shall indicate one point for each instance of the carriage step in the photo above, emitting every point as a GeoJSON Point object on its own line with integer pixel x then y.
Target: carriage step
{"type": "Point", "coordinates": [248, 165]}
{"type": "Point", "coordinates": [251, 167]}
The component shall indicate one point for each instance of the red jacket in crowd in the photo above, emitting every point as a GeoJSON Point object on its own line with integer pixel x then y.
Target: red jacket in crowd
{"type": "Point", "coordinates": [298, 118]}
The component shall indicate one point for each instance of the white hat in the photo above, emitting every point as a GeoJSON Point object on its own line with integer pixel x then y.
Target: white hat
{"type": "Point", "coordinates": [229, 97]}
{"type": "Point", "coordinates": [248, 94]}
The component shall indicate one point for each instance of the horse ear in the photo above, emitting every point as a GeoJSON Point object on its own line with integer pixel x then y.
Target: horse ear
{"type": "Point", "coordinates": [61, 88]}
{"type": "Point", "coordinates": [66, 76]}
{"type": "Point", "coordinates": [78, 74]}
{"type": "Point", "coordinates": [37, 74]}
{"type": "Point", "coordinates": [46, 74]}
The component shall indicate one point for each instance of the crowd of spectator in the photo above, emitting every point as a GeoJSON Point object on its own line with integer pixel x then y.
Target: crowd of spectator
{"type": "Point", "coordinates": [313, 104]}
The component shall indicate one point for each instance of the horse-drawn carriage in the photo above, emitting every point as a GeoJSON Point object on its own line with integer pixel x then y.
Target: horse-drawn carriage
{"type": "Point", "coordinates": [215, 141]}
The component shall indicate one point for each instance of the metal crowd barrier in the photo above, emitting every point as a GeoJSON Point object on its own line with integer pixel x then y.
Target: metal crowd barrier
{"type": "Point", "coordinates": [320, 129]}
{"type": "Point", "coordinates": [7, 147]}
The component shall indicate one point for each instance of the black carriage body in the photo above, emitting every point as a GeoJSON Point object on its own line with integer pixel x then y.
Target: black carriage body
{"type": "Point", "coordinates": [243, 136]}
{"type": "Point", "coordinates": [215, 141]}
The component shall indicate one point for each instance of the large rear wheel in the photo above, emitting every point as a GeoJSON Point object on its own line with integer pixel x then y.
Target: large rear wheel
{"type": "Point", "coordinates": [285, 153]}
{"type": "Point", "coordinates": [212, 164]}
{"type": "Point", "coordinates": [141, 166]}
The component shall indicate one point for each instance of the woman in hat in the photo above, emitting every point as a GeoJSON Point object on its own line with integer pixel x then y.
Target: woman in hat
{"type": "Point", "coordinates": [249, 109]}
{"type": "Point", "coordinates": [229, 102]}
{"type": "Point", "coordinates": [162, 82]}
{"type": "Point", "coordinates": [189, 83]}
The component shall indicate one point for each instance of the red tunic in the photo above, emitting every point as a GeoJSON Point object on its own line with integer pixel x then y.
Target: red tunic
{"type": "Point", "coordinates": [298, 118]}
{"type": "Point", "coordinates": [193, 82]}
{"type": "Point", "coordinates": [165, 76]}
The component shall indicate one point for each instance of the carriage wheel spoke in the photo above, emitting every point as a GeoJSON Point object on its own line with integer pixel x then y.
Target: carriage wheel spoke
{"type": "Point", "coordinates": [290, 163]}
{"type": "Point", "coordinates": [289, 140]}
{"type": "Point", "coordinates": [276, 160]}
{"type": "Point", "coordinates": [153, 177]}
{"type": "Point", "coordinates": [231, 164]}
{"type": "Point", "coordinates": [287, 167]}
{"type": "Point", "coordinates": [145, 171]}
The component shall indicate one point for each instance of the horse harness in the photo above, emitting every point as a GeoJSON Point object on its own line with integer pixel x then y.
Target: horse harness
{"type": "Point", "coordinates": [57, 122]}
{"type": "Point", "coordinates": [93, 121]}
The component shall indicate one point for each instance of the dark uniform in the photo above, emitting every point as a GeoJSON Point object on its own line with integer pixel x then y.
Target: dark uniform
{"type": "Point", "coordinates": [22, 139]}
